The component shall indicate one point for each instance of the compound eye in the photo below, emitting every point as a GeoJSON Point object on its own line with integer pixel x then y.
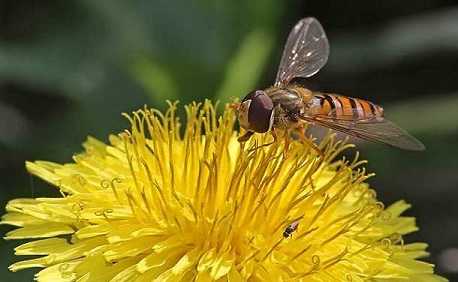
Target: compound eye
{"type": "Point", "coordinates": [260, 113]}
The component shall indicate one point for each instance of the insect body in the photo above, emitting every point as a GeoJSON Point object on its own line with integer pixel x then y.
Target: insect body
{"type": "Point", "coordinates": [290, 229]}
{"type": "Point", "coordinates": [287, 106]}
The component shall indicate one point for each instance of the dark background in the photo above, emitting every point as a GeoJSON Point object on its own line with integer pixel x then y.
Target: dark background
{"type": "Point", "coordinates": [69, 68]}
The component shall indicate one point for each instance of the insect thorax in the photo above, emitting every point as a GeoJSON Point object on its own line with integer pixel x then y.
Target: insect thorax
{"type": "Point", "coordinates": [289, 103]}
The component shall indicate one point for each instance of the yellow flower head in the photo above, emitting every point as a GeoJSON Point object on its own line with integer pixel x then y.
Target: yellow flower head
{"type": "Point", "coordinates": [159, 205]}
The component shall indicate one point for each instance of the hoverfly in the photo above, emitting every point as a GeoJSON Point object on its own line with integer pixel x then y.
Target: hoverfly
{"type": "Point", "coordinates": [290, 229]}
{"type": "Point", "coordinates": [289, 106]}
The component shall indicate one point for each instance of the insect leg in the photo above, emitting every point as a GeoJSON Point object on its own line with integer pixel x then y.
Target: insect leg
{"type": "Point", "coordinates": [287, 142]}
{"type": "Point", "coordinates": [234, 106]}
{"type": "Point", "coordinates": [245, 137]}
{"type": "Point", "coordinates": [304, 139]}
{"type": "Point", "coordinates": [274, 136]}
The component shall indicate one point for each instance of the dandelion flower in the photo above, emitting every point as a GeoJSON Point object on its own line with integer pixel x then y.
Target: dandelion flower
{"type": "Point", "coordinates": [157, 204]}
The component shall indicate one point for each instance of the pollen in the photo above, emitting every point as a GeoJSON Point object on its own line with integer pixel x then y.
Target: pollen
{"type": "Point", "coordinates": [167, 201]}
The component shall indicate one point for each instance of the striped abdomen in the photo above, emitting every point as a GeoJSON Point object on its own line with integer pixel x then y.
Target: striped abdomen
{"type": "Point", "coordinates": [343, 107]}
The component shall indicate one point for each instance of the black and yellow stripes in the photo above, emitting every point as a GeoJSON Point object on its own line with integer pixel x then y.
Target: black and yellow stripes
{"type": "Point", "coordinates": [342, 107]}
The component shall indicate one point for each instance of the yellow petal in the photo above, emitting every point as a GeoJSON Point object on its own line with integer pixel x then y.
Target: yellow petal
{"type": "Point", "coordinates": [94, 145]}
{"type": "Point", "coordinates": [40, 231]}
{"type": "Point", "coordinates": [206, 262]}
{"type": "Point", "coordinates": [20, 219]}
{"type": "Point", "coordinates": [39, 262]}
{"type": "Point", "coordinates": [129, 248]}
{"type": "Point", "coordinates": [42, 247]}
{"type": "Point", "coordinates": [128, 274]}
{"type": "Point", "coordinates": [60, 272]}
{"type": "Point", "coordinates": [93, 230]}
{"type": "Point", "coordinates": [398, 208]}
{"type": "Point", "coordinates": [44, 171]}
{"type": "Point", "coordinates": [221, 266]}
{"type": "Point", "coordinates": [234, 276]}
{"type": "Point", "coordinates": [203, 277]}
{"type": "Point", "coordinates": [96, 268]}
{"type": "Point", "coordinates": [160, 262]}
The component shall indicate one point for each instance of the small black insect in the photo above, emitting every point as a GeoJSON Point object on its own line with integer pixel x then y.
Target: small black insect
{"type": "Point", "coordinates": [290, 229]}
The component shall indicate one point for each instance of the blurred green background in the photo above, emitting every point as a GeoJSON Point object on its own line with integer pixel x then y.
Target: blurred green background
{"type": "Point", "coordinates": [69, 68]}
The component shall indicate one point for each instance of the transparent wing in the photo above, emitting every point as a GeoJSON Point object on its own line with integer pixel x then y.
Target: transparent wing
{"type": "Point", "coordinates": [374, 129]}
{"type": "Point", "coordinates": [306, 51]}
